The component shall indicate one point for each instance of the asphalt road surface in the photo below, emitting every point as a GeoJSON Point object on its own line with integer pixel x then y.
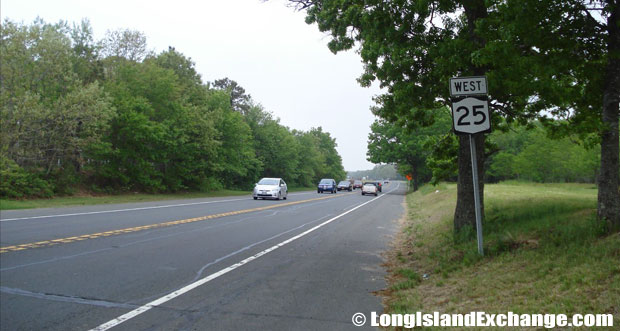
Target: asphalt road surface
{"type": "Point", "coordinates": [309, 262]}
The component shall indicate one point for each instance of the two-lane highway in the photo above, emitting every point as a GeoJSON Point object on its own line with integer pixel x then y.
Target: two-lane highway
{"type": "Point", "coordinates": [309, 262]}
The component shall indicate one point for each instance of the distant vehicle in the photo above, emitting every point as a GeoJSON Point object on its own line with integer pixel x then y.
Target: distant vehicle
{"type": "Point", "coordinates": [270, 188]}
{"type": "Point", "coordinates": [327, 184]}
{"type": "Point", "coordinates": [357, 184]}
{"type": "Point", "coordinates": [370, 188]}
{"type": "Point", "coordinates": [345, 185]}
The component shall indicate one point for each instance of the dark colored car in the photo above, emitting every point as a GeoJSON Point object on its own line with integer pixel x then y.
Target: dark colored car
{"type": "Point", "coordinates": [357, 184]}
{"type": "Point", "coordinates": [327, 185]}
{"type": "Point", "coordinates": [345, 185]}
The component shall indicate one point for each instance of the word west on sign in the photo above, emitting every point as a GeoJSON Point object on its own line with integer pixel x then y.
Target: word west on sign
{"type": "Point", "coordinates": [461, 86]}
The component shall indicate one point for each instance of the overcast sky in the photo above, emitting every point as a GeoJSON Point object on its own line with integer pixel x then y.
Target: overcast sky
{"type": "Point", "coordinates": [282, 62]}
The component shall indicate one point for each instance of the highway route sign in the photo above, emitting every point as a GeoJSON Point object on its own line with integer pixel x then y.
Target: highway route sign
{"type": "Point", "coordinates": [470, 115]}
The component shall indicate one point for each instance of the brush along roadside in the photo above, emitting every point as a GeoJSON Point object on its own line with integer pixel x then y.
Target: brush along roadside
{"type": "Point", "coordinates": [545, 253]}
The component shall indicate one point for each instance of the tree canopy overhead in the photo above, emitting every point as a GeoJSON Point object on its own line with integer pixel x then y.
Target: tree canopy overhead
{"type": "Point", "coordinates": [541, 58]}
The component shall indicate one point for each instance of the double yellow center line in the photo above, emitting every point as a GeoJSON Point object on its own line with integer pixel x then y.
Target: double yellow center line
{"type": "Point", "coordinates": [47, 243]}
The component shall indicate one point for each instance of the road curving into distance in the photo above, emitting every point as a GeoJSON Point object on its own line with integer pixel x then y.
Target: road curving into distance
{"type": "Point", "coordinates": [311, 261]}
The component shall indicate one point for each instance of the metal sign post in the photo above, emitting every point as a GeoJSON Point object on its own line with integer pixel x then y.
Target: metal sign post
{"type": "Point", "coordinates": [470, 115]}
{"type": "Point", "coordinates": [474, 172]}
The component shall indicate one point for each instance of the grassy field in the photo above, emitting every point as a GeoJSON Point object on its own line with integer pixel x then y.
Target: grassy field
{"type": "Point", "coordinates": [82, 200]}
{"type": "Point", "coordinates": [545, 253]}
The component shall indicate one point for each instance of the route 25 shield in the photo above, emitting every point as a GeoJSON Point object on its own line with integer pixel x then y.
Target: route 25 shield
{"type": "Point", "coordinates": [471, 115]}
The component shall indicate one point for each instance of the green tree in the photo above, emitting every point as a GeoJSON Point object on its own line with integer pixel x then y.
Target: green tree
{"type": "Point", "coordinates": [236, 163]}
{"type": "Point", "coordinates": [529, 153]}
{"type": "Point", "coordinates": [330, 159]}
{"type": "Point", "coordinates": [275, 146]}
{"type": "Point", "coordinates": [309, 159]}
{"type": "Point", "coordinates": [126, 44]}
{"type": "Point", "coordinates": [412, 49]}
{"type": "Point", "coordinates": [85, 59]}
{"type": "Point", "coordinates": [537, 55]}
{"type": "Point", "coordinates": [159, 140]}
{"type": "Point", "coordinates": [299, 157]}
{"type": "Point", "coordinates": [543, 159]}
{"type": "Point", "coordinates": [188, 79]}
{"type": "Point", "coordinates": [408, 148]}
{"type": "Point", "coordinates": [239, 100]}
{"type": "Point", "coordinates": [116, 116]}
{"type": "Point", "coordinates": [575, 73]}
{"type": "Point", "coordinates": [50, 119]}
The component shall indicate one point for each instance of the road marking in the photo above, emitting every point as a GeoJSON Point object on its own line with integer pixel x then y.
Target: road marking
{"type": "Point", "coordinates": [181, 291]}
{"type": "Point", "coordinates": [128, 209]}
{"type": "Point", "coordinates": [47, 243]}
{"type": "Point", "coordinates": [117, 210]}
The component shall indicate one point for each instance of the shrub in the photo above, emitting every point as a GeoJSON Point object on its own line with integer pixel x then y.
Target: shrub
{"type": "Point", "coordinates": [15, 182]}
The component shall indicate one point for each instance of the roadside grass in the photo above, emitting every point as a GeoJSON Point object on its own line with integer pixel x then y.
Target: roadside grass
{"type": "Point", "coordinates": [86, 199]}
{"type": "Point", "coordinates": [545, 252]}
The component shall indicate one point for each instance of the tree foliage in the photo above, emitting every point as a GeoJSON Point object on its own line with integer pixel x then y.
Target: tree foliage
{"type": "Point", "coordinates": [545, 60]}
{"type": "Point", "coordinates": [408, 148]}
{"type": "Point", "coordinates": [113, 116]}
{"type": "Point", "coordinates": [239, 100]}
{"type": "Point", "coordinates": [531, 155]}
{"type": "Point", "coordinates": [127, 44]}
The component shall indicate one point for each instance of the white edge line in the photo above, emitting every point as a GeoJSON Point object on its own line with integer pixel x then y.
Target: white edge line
{"type": "Point", "coordinates": [181, 291]}
{"type": "Point", "coordinates": [116, 210]}
{"type": "Point", "coordinates": [123, 210]}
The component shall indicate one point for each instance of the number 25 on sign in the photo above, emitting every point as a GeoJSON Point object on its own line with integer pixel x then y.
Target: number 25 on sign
{"type": "Point", "coordinates": [471, 115]}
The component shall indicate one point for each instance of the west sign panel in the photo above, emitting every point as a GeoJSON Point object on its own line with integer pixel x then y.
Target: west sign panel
{"type": "Point", "coordinates": [462, 86]}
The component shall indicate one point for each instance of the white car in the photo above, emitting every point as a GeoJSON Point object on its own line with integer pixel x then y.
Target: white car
{"type": "Point", "coordinates": [369, 188]}
{"type": "Point", "coordinates": [271, 188]}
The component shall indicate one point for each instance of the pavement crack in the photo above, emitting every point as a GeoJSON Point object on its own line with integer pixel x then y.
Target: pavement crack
{"type": "Point", "coordinates": [83, 300]}
{"type": "Point", "coordinates": [66, 298]}
{"type": "Point", "coordinates": [281, 316]}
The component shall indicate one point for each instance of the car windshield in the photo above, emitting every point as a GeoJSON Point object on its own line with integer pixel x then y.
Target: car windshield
{"type": "Point", "coordinates": [268, 181]}
{"type": "Point", "coordinates": [344, 182]}
{"type": "Point", "coordinates": [358, 182]}
{"type": "Point", "coordinates": [325, 181]}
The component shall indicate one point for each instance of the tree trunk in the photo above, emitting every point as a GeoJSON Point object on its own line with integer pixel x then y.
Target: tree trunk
{"type": "Point", "coordinates": [465, 213]}
{"type": "Point", "coordinates": [609, 181]}
{"type": "Point", "coordinates": [416, 178]}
